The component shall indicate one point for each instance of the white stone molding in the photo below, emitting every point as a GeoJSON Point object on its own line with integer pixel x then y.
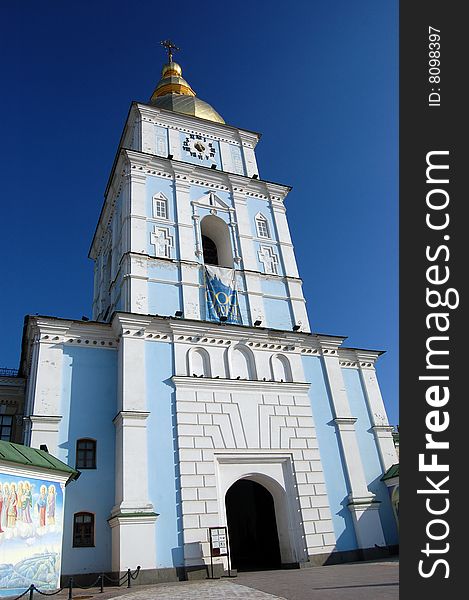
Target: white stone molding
{"type": "Point", "coordinates": [268, 257]}
{"type": "Point", "coordinates": [198, 362]}
{"type": "Point", "coordinates": [273, 470]}
{"type": "Point", "coordinates": [262, 227]}
{"type": "Point", "coordinates": [233, 225]}
{"type": "Point", "coordinates": [198, 235]}
{"type": "Point", "coordinates": [44, 429]}
{"type": "Point", "coordinates": [190, 124]}
{"type": "Point", "coordinates": [367, 523]}
{"type": "Point", "coordinates": [280, 368]}
{"type": "Point", "coordinates": [241, 362]}
{"type": "Point", "coordinates": [133, 541]}
{"type": "Point", "coordinates": [159, 196]}
{"type": "Point", "coordinates": [382, 431]}
{"type": "Point", "coordinates": [163, 242]}
{"type": "Point", "coordinates": [240, 385]}
{"type": "Point", "coordinates": [212, 201]}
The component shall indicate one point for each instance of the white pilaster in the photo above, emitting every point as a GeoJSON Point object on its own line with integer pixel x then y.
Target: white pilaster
{"type": "Point", "coordinates": [148, 136]}
{"type": "Point", "coordinates": [45, 398]}
{"type": "Point", "coordinates": [361, 501]}
{"type": "Point", "coordinates": [380, 425]}
{"type": "Point", "coordinates": [284, 238]}
{"type": "Point", "coordinates": [132, 518]}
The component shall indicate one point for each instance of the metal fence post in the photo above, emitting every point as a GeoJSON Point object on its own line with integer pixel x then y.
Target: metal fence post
{"type": "Point", "coordinates": [101, 577]}
{"type": "Point", "coordinates": [31, 591]}
{"type": "Point", "coordinates": [129, 577]}
{"type": "Point", "coordinates": [70, 588]}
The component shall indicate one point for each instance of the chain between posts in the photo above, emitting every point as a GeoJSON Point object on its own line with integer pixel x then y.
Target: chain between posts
{"type": "Point", "coordinates": [128, 576]}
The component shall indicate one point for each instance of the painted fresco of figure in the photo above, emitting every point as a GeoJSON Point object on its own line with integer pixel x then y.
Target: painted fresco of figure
{"type": "Point", "coordinates": [19, 502]}
{"type": "Point", "coordinates": [6, 502]}
{"type": "Point", "coordinates": [1, 507]}
{"type": "Point", "coordinates": [27, 502]}
{"type": "Point", "coordinates": [41, 506]}
{"type": "Point", "coordinates": [12, 506]}
{"type": "Point", "coordinates": [51, 505]}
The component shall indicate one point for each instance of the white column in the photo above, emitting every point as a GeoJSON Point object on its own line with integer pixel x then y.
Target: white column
{"type": "Point", "coordinates": [379, 420]}
{"type": "Point", "coordinates": [284, 238]}
{"type": "Point", "coordinates": [362, 503]}
{"type": "Point", "coordinates": [184, 215]}
{"type": "Point", "coordinates": [133, 517]}
{"type": "Point", "coordinates": [298, 304]}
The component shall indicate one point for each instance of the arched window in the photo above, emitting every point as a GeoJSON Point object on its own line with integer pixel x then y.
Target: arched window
{"type": "Point", "coordinates": [262, 226]}
{"type": "Point", "coordinates": [86, 454]}
{"type": "Point", "coordinates": [281, 370]}
{"type": "Point", "coordinates": [216, 242]}
{"type": "Point", "coordinates": [242, 363]}
{"type": "Point", "coordinates": [83, 530]}
{"type": "Point", "coordinates": [199, 362]}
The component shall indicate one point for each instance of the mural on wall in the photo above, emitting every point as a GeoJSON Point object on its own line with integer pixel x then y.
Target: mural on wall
{"type": "Point", "coordinates": [31, 512]}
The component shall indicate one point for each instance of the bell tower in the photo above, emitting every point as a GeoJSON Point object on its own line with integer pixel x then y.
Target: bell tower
{"type": "Point", "coordinates": [186, 207]}
{"type": "Point", "coordinates": [198, 378]}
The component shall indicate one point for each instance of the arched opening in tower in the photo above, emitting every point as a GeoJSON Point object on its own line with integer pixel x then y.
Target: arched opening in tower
{"type": "Point", "coordinates": [210, 251]}
{"type": "Point", "coordinates": [252, 526]}
{"type": "Point", "coordinates": [216, 242]}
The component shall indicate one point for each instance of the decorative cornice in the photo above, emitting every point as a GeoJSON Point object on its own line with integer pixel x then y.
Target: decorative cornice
{"type": "Point", "coordinates": [52, 420]}
{"type": "Point", "coordinates": [237, 385]}
{"type": "Point", "coordinates": [191, 124]}
{"type": "Point", "coordinates": [361, 502]}
{"type": "Point", "coordinates": [52, 330]}
{"type": "Point", "coordinates": [130, 415]}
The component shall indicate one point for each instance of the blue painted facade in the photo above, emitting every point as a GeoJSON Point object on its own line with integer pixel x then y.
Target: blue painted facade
{"type": "Point", "coordinates": [89, 401]}
{"type": "Point", "coordinates": [163, 476]}
{"type": "Point", "coordinates": [369, 454]}
{"type": "Point", "coordinates": [331, 455]}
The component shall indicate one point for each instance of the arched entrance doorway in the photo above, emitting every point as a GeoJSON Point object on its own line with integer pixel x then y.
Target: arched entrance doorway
{"type": "Point", "coordinates": [252, 526]}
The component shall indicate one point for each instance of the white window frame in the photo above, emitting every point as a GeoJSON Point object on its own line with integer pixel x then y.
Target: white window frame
{"type": "Point", "coordinates": [262, 223]}
{"type": "Point", "coordinates": [160, 201]}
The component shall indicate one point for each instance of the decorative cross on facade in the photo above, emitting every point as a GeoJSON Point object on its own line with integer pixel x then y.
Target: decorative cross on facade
{"type": "Point", "coordinates": [168, 44]}
{"type": "Point", "coordinates": [162, 241]}
{"type": "Point", "coordinates": [269, 259]}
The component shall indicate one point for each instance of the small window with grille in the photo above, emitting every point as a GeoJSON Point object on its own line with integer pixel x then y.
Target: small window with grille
{"type": "Point", "coordinates": [86, 454]}
{"type": "Point", "coordinates": [83, 530]}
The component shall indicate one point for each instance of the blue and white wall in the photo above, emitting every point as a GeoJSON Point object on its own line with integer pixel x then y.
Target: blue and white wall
{"type": "Point", "coordinates": [88, 407]}
{"type": "Point", "coordinates": [134, 244]}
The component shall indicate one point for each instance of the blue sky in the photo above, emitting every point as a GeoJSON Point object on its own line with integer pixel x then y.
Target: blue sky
{"type": "Point", "coordinates": [319, 80]}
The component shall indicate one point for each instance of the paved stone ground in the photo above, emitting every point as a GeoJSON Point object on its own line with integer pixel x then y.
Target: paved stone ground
{"type": "Point", "coordinates": [357, 581]}
{"type": "Point", "coordinates": [203, 590]}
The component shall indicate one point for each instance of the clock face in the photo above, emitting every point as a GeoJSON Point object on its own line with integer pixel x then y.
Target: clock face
{"type": "Point", "coordinates": [199, 147]}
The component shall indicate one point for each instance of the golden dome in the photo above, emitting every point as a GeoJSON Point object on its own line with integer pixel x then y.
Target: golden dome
{"type": "Point", "coordinates": [174, 93]}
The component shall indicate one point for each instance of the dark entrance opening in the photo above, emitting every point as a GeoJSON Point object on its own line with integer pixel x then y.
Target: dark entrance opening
{"type": "Point", "coordinates": [210, 251]}
{"type": "Point", "coordinates": [252, 527]}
